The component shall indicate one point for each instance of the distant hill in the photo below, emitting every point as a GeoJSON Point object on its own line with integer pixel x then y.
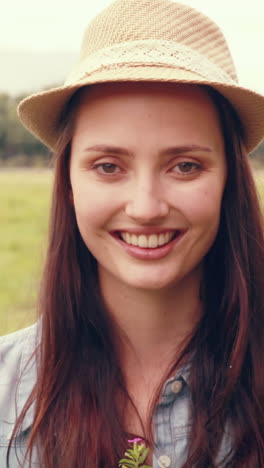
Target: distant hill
{"type": "Point", "coordinates": [26, 72]}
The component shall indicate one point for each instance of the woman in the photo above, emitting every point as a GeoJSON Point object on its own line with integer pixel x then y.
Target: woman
{"type": "Point", "coordinates": [151, 305]}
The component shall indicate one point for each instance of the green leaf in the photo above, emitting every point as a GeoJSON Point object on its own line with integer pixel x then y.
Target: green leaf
{"type": "Point", "coordinates": [130, 453]}
{"type": "Point", "coordinates": [144, 455]}
{"type": "Point", "coordinates": [127, 463]}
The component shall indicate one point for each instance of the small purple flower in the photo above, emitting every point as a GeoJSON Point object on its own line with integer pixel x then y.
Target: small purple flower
{"type": "Point", "coordinates": [136, 440]}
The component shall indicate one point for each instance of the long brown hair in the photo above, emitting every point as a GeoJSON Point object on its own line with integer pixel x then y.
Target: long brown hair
{"type": "Point", "coordinates": [80, 386]}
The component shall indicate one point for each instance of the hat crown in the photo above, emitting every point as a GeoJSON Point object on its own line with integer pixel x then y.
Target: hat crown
{"type": "Point", "coordinates": [148, 40]}
{"type": "Point", "coordinates": [138, 20]}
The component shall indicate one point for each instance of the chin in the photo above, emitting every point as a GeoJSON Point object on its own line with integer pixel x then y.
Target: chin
{"type": "Point", "coordinates": [152, 284]}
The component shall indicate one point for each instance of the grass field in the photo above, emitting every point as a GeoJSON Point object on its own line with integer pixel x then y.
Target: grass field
{"type": "Point", "coordinates": [24, 201]}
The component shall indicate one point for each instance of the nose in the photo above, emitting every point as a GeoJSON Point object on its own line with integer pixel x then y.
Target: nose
{"type": "Point", "coordinates": [147, 203]}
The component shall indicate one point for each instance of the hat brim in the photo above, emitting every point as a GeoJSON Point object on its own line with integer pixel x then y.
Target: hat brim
{"type": "Point", "coordinates": [41, 112]}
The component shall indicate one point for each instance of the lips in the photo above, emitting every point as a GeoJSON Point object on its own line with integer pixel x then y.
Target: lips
{"type": "Point", "coordinates": [151, 245]}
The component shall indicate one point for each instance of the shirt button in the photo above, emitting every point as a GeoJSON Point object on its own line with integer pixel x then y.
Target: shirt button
{"type": "Point", "coordinates": [164, 461]}
{"type": "Point", "coordinates": [176, 386]}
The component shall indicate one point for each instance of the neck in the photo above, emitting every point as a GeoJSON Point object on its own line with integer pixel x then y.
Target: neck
{"type": "Point", "coordinates": [153, 324]}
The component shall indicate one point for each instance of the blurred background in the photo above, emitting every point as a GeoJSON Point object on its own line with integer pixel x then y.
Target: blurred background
{"type": "Point", "coordinates": [39, 43]}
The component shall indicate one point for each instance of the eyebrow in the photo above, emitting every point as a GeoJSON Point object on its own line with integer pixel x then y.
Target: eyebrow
{"type": "Point", "coordinates": [171, 151]}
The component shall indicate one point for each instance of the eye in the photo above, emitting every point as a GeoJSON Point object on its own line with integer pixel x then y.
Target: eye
{"type": "Point", "coordinates": [107, 168]}
{"type": "Point", "coordinates": [186, 167]}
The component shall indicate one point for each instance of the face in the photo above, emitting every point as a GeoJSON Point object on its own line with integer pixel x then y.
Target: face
{"type": "Point", "coordinates": [148, 173]}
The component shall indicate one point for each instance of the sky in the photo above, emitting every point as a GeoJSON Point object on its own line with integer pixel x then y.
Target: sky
{"type": "Point", "coordinates": [53, 26]}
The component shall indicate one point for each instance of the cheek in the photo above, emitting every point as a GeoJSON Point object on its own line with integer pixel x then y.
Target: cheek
{"type": "Point", "coordinates": [92, 207]}
{"type": "Point", "coordinates": [202, 206]}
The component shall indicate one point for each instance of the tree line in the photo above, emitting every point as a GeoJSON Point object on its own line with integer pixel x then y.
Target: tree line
{"type": "Point", "coordinates": [17, 145]}
{"type": "Point", "coordinates": [19, 148]}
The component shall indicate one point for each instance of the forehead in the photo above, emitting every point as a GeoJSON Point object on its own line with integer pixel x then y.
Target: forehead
{"type": "Point", "coordinates": [127, 92]}
{"type": "Point", "coordinates": [161, 108]}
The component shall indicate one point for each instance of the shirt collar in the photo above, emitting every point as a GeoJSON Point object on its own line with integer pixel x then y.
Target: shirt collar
{"type": "Point", "coordinates": [182, 375]}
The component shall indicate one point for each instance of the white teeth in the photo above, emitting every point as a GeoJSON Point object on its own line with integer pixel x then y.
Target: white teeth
{"type": "Point", "coordinates": [147, 242]}
{"type": "Point", "coordinates": [153, 241]}
{"type": "Point", "coordinates": [161, 239]}
{"type": "Point", "coordinates": [133, 240]}
{"type": "Point", "coordinates": [143, 241]}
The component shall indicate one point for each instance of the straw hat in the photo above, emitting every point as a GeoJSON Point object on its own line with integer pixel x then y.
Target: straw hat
{"type": "Point", "coordinates": [148, 40]}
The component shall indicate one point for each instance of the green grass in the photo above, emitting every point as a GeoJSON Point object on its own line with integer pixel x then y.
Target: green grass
{"type": "Point", "coordinates": [24, 207]}
{"type": "Point", "coordinates": [24, 201]}
{"type": "Point", "coordinates": [260, 184]}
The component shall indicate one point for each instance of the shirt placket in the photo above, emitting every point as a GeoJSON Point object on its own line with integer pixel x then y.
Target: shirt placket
{"type": "Point", "coordinates": [164, 454]}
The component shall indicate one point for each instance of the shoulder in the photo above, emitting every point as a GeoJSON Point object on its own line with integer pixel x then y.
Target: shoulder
{"type": "Point", "coordinates": [17, 342]}
{"type": "Point", "coordinates": [17, 374]}
{"type": "Point", "coordinates": [15, 350]}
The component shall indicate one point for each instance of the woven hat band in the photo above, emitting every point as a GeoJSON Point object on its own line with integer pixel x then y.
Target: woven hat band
{"type": "Point", "coordinates": [146, 53]}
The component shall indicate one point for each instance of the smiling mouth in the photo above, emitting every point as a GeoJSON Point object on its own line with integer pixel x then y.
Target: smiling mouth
{"type": "Point", "coordinates": [152, 241]}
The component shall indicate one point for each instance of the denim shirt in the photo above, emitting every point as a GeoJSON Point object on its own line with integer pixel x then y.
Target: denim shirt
{"type": "Point", "coordinates": [17, 378]}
